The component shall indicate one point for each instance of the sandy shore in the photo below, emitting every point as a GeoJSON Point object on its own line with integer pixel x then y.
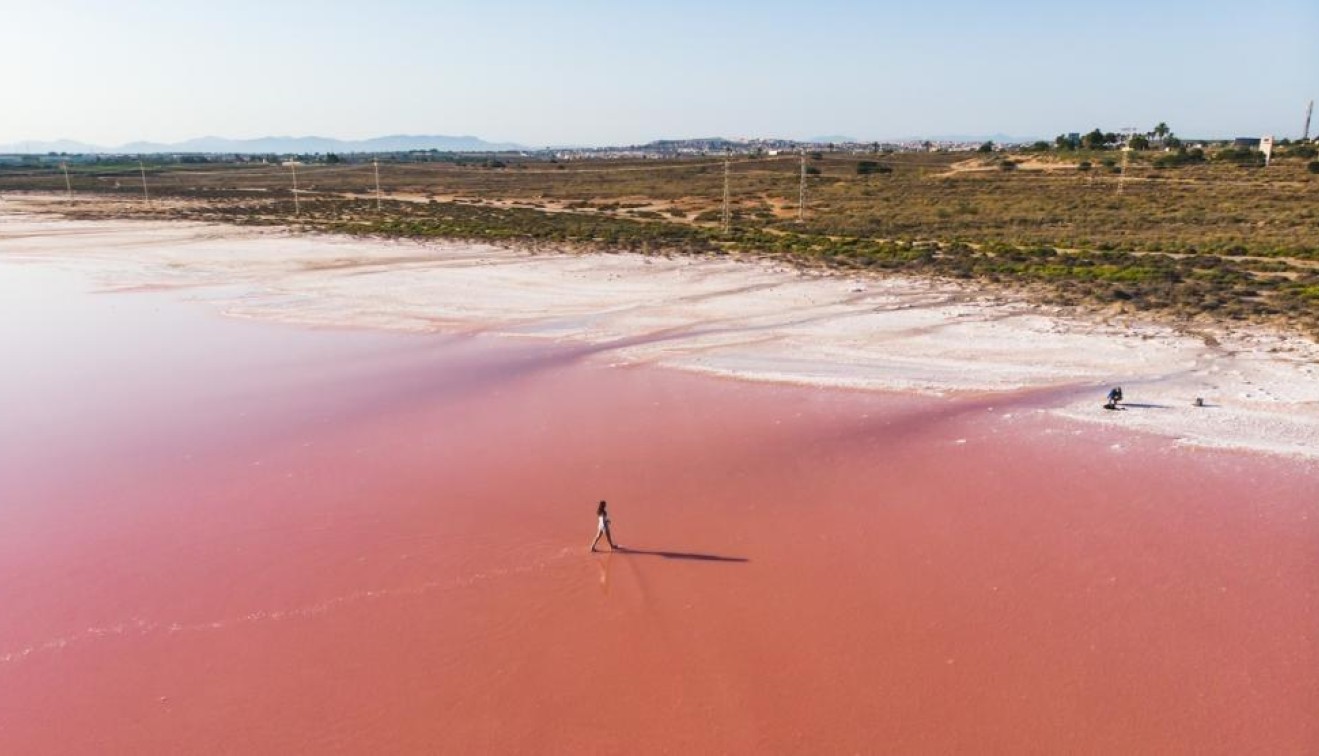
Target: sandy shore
{"type": "Point", "coordinates": [747, 319]}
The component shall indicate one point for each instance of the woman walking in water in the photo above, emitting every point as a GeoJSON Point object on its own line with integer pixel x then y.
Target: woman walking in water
{"type": "Point", "coordinates": [602, 515]}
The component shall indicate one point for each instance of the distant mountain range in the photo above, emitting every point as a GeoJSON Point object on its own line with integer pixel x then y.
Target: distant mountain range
{"type": "Point", "coordinates": [285, 145]}
{"type": "Point", "coordinates": [995, 138]}
{"type": "Point", "coordinates": [279, 145]}
{"type": "Point", "coordinates": [833, 139]}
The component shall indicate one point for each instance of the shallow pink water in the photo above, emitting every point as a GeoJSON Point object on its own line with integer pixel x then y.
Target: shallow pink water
{"type": "Point", "coordinates": [230, 536]}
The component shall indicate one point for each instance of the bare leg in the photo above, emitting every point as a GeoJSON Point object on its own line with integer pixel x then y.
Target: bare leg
{"type": "Point", "coordinates": [599, 533]}
{"type": "Point", "coordinates": [610, 537]}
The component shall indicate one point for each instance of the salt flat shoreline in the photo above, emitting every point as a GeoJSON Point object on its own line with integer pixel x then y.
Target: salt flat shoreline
{"type": "Point", "coordinates": [755, 320]}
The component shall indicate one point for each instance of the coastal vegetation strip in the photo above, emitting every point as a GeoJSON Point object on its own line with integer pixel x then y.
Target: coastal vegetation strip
{"type": "Point", "coordinates": [1205, 238]}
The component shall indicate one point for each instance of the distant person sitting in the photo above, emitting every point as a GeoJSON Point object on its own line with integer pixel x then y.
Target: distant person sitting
{"type": "Point", "coordinates": [602, 528]}
{"type": "Point", "coordinates": [1114, 397]}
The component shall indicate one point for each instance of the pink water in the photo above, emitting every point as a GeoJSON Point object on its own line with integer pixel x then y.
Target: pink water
{"type": "Point", "coordinates": [243, 537]}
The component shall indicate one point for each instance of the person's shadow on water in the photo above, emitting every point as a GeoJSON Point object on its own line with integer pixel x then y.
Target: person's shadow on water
{"type": "Point", "coordinates": [680, 555]}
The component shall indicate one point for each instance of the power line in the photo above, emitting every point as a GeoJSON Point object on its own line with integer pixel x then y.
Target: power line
{"type": "Point", "coordinates": [146, 196]}
{"type": "Point", "coordinates": [1126, 157]}
{"type": "Point", "coordinates": [376, 165]}
{"type": "Point", "coordinates": [297, 206]}
{"type": "Point", "coordinates": [801, 193]}
{"type": "Point", "coordinates": [727, 216]}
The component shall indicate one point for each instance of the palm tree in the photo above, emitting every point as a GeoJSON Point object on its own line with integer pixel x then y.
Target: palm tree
{"type": "Point", "coordinates": [1161, 130]}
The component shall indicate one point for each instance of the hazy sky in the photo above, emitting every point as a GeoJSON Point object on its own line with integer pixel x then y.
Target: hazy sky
{"type": "Point", "coordinates": [584, 72]}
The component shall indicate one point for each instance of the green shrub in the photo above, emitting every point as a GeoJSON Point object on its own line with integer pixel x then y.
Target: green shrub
{"type": "Point", "coordinates": [1240, 155]}
{"type": "Point", "coordinates": [868, 167]}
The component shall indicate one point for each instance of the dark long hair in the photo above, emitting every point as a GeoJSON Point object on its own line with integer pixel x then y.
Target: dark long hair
{"type": "Point", "coordinates": [600, 510]}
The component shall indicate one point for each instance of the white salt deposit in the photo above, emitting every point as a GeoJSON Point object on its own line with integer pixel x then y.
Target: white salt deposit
{"type": "Point", "coordinates": [745, 319]}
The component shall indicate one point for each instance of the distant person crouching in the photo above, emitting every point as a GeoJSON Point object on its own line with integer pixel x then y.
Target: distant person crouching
{"type": "Point", "coordinates": [1114, 397]}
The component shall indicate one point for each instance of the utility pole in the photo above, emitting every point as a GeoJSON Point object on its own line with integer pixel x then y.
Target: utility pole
{"type": "Point", "coordinates": [68, 186]}
{"type": "Point", "coordinates": [146, 196]}
{"type": "Point", "coordinates": [1309, 111]}
{"type": "Point", "coordinates": [375, 162]}
{"type": "Point", "coordinates": [1126, 156]}
{"type": "Point", "coordinates": [801, 192]}
{"type": "Point", "coordinates": [297, 206]}
{"type": "Point", "coordinates": [727, 218]}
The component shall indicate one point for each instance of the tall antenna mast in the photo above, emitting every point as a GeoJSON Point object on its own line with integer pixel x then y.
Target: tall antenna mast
{"type": "Point", "coordinates": [375, 162]}
{"type": "Point", "coordinates": [726, 219]}
{"type": "Point", "coordinates": [1309, 111]}
{"type": "Point", "coordinates": [68, 186]}
{"type": "Point", "coordinates": [146, 196]}
{"type": "Point", "coordinates": [297, 206]}
{"type": "Point", "coordinates": [801, 191]}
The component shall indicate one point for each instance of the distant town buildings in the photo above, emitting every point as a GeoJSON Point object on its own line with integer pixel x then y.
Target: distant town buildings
{"type": "Point", "coordinates": [657, 150]}
{"type": "Point", "coordinates": [671, 148]}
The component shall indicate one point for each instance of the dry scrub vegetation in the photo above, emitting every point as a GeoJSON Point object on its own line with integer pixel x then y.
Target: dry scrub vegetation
{"type": "Point", "coordinates": [1218, 240]}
